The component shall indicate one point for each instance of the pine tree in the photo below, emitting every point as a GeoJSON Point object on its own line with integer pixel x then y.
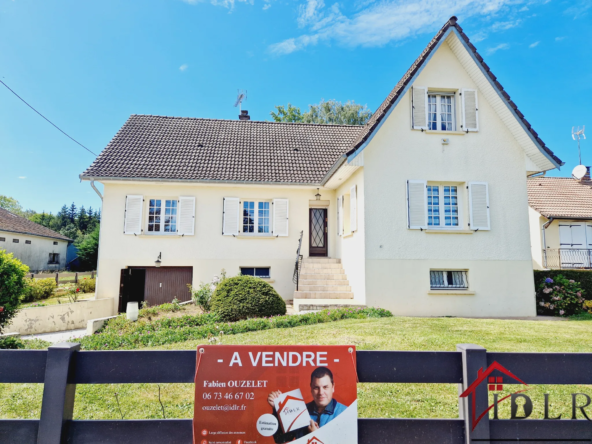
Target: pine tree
{"type": "Point", "coordinates": [82, 220]}
{"type": "Point", "coordinates": [72, 213]}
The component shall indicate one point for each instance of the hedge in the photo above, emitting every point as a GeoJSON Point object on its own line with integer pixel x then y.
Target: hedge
{"type": "Point", "coordinates": [584, 277]}
{"type": "Point", "coordinates": [121, 334]}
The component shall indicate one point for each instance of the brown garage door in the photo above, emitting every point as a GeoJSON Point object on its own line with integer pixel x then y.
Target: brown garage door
{"type": "Point", "coordinates": [166, 283]}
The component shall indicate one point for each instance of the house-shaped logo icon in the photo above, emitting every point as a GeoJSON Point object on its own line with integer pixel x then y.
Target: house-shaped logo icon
{"type": "Point", "coordinates": [494, 383]}
{"type": "Point", "coordinates": [314, 440]}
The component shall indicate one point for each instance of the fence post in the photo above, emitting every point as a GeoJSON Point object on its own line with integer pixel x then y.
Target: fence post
{"type": "Point", "coordinates": [76, 278]}
{"type": "Point", "coordinates": [58, 395]}
{"type": "Point", "coordinates": [474, 361]}
{"type": "Point", "coordinates": [92, 275]}
{"type": "Point", "coordinates": [57, 278]}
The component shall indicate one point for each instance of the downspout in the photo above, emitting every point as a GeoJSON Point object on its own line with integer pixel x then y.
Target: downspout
{"type": "Point", "coordinates": [92, 184]}
{"type": "Point", "coordinates": [544, 227]}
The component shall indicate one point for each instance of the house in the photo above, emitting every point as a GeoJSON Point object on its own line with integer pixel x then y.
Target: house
{"type": "Point", "coordinates": [560, 214]}
{"type": "Point", "coordinates": [38, 247]}
{"type": "Point", "coordinates": [423, 210]}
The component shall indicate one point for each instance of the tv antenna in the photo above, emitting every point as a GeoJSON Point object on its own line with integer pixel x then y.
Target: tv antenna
{"type": "Point", "coordinates": [577, 134]}
{"type": "Point", "coordinates": [240, 97]}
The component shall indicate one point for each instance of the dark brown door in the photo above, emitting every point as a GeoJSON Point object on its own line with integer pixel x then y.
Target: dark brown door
{"type": "Point", "coordinates": [318, 232]}
{"type": "Point", "coordinates": [164, 284]}
{"type": "Point", "coordinates": [131, 287]}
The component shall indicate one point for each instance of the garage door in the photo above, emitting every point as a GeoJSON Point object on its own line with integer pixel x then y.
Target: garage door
{"type": "Point", "coordinates": [166, 283]}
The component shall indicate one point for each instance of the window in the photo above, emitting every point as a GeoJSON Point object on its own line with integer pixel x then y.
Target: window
{"type": "Point", "coordinates": [441, 112]}
{"type": "Point", "coordinates": [2, 239]}
{"type": "Point", "coordinates": [162, 216]}
{"type": "Point", "coordinates": [443, 280]}
{"type": "Point", "coordinates": [15, 241]}
{"type": "Point", "coordinates": [55, 243]}
{"type": "Point", "coordinates": [256, 217]}
{"type": "Point", "coordinates": [442, 206]}
{"type": "Point", "coordinates": [261, 272]}
{"type": "Point", "coordinates": [54, 258]}
{"type": "Point", "coordinates": [28, 242]}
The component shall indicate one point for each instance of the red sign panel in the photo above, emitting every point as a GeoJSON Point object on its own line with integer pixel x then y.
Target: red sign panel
{"type": "Point", "coordinates": [275, 394]}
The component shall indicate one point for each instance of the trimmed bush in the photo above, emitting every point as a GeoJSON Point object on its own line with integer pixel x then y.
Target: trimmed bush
{"type": "Point", "coordinates": [10, 343]}
{"type": "Point", "coordinates": [244, 297]}
{"type": "Point", "coordinates": [37, 289]}
{"type": "Point", "coordinates": [87, 285]}
{"type": "Point", "coordinates": [560, 297]}
{"type": "Point", "coordinates": [12, 286]}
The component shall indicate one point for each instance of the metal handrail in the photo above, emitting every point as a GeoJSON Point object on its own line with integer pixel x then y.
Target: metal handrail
{"type": "Point", "coordinates": [296, 275]}
{"type": "Point", "coordinates": [567, 258]}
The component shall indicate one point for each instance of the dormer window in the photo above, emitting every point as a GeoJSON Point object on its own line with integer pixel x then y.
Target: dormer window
{"type": "Point", "coordinates": [441, 112]}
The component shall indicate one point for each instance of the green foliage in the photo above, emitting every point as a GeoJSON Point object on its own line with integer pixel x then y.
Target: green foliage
{"type": "Point", "coordinates": [328, 112]}
{"type": "Point", "coordinates": [583, 277]}
{"type": "Point", "coordinates": [202, 295]}
{"type": "Point", "coordinates": [87, 285]}
{"type": "Point", "coordinates": [12, 286]}
{"type": "Point", "coordinates": [88, 250]}
{"type": "Point", "coordinates": [11, 343]}
{"type": "Point", "coordinates": [37, 289]}
{"type": "Point", "coordinates": [121, 334]}
{"type": "Point", "coordinates": [71, 231]}
{"type": "Point", "coordinates": [243, 297]}
{"type": "Point", "coordinates": [10, 204]}
{"type": "Point", "coordinates": [560, 296]}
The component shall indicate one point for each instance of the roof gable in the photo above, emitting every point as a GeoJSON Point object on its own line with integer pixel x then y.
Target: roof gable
{"type": "Point", "coordinates": [16, 224]}
{"type": "Point", "coordinates": [458, 41]}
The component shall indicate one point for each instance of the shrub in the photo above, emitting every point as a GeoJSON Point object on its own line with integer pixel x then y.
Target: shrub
{"type": "Point", "coordinates": [560, 297]}
{"type": "Point", "coordinates": [584, 277]}
{"type": "Point", "coordinates": [202, 295]}
{"type": "Point", "coordinates": [12, 286]}
{"type": "Point", "coordinates": [37, 289]}
{"type": "Point", "coordinates": [588, 306]}
{"type": "Point", "coordinates": [243, 297]}
{"type": "Point", "coordinates": [87, 285]}
{"type": "Point", "coordinates": [10, 343]}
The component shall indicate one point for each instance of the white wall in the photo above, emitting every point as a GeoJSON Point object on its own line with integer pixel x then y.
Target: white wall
{"type": "Point", "coordinates": [399, 259]}
{"type": "Point", "coordinates": [536, 222]}
{"type": "Point", "coordinates": [35, 254]}
{"type": "Point", "coordinates": [208, 251]}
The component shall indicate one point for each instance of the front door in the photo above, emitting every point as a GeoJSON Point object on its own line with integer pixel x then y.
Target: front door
{"type": "Point", "coordinates": [318, 232]}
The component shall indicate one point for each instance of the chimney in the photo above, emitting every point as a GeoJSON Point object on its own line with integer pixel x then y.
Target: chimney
{"type": "Point", "coordinates": [244, 115]}
{"type": "Point", "coordinates": [587, 176]}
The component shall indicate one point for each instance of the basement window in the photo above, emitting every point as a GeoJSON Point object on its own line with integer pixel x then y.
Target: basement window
{"type": "Point", "coordinates": [260, 272]}
{"type": "Point", "coordinates": [28, 242]}
{"type": "Point", "coordinates": [445, 280]}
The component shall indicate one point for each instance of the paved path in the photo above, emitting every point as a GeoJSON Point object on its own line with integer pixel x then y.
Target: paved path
{"type": "Point", "coordinates": [59, 336]}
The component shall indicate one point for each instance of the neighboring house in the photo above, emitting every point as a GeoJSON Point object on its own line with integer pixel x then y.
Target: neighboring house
{"type": "Point", "coordinates": [560, 222]}
{"type": "Point", "coordinates": [34, 245]}
{"type": "Point", "coordinates": [423, 211]}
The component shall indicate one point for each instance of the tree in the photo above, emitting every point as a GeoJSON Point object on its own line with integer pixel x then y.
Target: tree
{"type": "Point", "coordinates": [72, 213]}
{"type": "Point", "coordinates": [328, 112]}
{"type": "Point", "coordinates": [71, 231]}
{"type": "Point", "coordinates": [10, 204]}
{"type": "Point", "coordinates": [88, 250]}
{"type": "Point", "coordinates": [82, 220]}
{"type": "Point", "coordinates": [12, 286]}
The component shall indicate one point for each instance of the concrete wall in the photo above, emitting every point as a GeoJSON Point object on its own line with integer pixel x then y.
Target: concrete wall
{"type": "Point", "coordinates": [398, 259]}
{"type": "Point", "coordinates": [351, 245]}
{"type": "Point", "coordinates": [208, 251]}
{"type": "Point", "coordinates": [536, 222]}
{"type": "Point", "coordinates": [30, 321]}
{"type": "Point", "coordinates": [35, 254]}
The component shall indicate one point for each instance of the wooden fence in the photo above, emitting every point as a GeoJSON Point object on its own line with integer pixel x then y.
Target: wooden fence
{"type": "Point", "coordinates": [63, 366]}
{"type": "Point", "coordinates": [64, 278]}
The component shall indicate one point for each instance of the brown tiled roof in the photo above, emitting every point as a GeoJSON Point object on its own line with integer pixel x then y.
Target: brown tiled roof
{"type": "Point", "coordinates": [561, 197]}
{"type": "Point", "coordinates": [383, 109]}
{"type": "Point", "coordinates": [17, 224]}
{"type": "Point", "coordinates": [176, 148]}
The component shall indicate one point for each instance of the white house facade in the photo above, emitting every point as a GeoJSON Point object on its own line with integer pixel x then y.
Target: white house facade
{"type": "Point", "coordinates": [36, 246]}
{"type": "Point", "coordinates": [423, 210]}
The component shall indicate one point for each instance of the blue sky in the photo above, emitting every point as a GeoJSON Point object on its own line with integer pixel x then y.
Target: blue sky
{"type": "Point", "coordinates": [88, 65]}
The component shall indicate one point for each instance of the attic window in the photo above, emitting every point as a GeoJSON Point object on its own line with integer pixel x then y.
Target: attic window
{"type": "Point", "coordinates": [55, 243]}
{"type": "Point", "coordinates": [28, 242]}
{"type": "Point", "coordinates": [441, 112]}
{"type": "Point", "coordinates": [2, 239]}
{"type": "Point", "coordinates": [15, 241]}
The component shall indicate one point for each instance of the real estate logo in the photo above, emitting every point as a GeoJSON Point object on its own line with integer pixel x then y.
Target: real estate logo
{"type": "Point", "coordinates": [495, 383]}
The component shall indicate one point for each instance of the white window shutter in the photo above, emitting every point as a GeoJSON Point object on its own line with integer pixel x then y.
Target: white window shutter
{"type": "Point", "coordinates": [231, 216]}
{"type": "Point", "coordinates": [280, 217]}
{"type": "Point", "coordinates": [353, 209]}
{"type": "Point", "coordinates": [417, 204]}
{"type": "Point", "coordinates": [339, 216]}
{"type": "Point", "coordinates": [419, 107]}
{"type": "Point", "coordinates": [133, 214]}
{"type": "Point", "coordinates": [186, 222]}
{"type": "Point", "coordinates": [470, 110]}
{"type": "Point", "coordinates": [479, 205]}
{"type": "Point", "coordinates": [588, 236]}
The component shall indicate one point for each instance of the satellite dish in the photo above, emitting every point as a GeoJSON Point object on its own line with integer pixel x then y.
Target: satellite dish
{"type": "Point", "coordinates": [579, 172]}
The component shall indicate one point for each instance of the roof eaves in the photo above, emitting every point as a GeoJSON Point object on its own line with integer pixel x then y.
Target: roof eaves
{"type": "Point", "coordinates": [205, 181]}
{"type": "Point", "coordinates": [37, 234]}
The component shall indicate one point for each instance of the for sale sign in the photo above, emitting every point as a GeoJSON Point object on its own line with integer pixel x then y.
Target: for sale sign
{"type": "Point", "coordinates": [275, 394]}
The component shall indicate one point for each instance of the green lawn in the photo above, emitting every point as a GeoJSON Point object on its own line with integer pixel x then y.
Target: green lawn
{"type": "Point", "coordinates": [56, 300]}
{"type": "Point", "coordinates": [375, 400]}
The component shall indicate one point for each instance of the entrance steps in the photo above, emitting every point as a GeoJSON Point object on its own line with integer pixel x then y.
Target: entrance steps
{"type": "Point", "coordinates": [322, 284]}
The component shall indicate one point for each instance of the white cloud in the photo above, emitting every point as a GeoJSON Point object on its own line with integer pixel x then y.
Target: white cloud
{"type": "Point", "coordinates": [579, 10]}
{"type": "Point", "coordinates": [558, 39]}
{"type": "Point", "coordinates": [183, 67]}
{"type": "Point", "coordinates": [533, 45]}
{"type": "Point", "coordinates": [229, 4]}
{"type": "Point", "coordinates": [379, 23]}
{"type": "Point", "coordinates": [22, 177]}
{"type": "Point", "coordinates": [497, 48]}
{"type": "Point", "coordinates": [480, 36]}
{"type": "Point", "coordinates": [266, 6]}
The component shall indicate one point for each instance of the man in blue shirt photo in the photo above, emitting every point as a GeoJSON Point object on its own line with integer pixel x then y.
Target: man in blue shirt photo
{"type": "Point", "coordinates": [322, 409]}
